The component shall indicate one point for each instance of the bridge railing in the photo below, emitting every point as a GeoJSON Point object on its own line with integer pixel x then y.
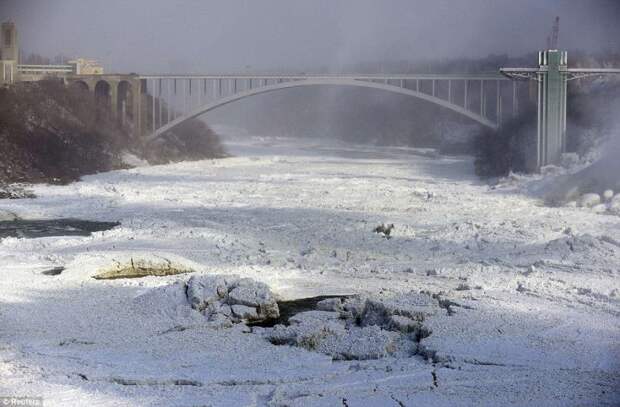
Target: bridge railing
{"type": "Point", "coordinates": [473, 76]}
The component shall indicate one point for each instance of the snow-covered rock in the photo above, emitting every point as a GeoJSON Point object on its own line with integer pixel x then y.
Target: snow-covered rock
{"type": "Point", "coordinates": [210, 295]}
{"type": "Point", "coordinates": [364, 328]}
{"type": "Point", "coordinates": [245, 312]}
{"type": "Point", "coordinates": [225, 296]}
{"type": "Point", "coordinates": [203, 291]}
{"type": "Point", "coordinates": [330, 304]}
{"type": "Point", "coordinates": [600, 208]}
{"type": "Point", "coordinates": [608, 194]}
{"type": "Point", "coordinates": [249, 292]}
{"type": "Point", "coordinates": [404, 324]}
{"type": "Point", "coordinates": [589, 200]}
{"type": "Point", "coordinates": [413, 306]}
{"type": "Point", "coordinates": [334, 339]}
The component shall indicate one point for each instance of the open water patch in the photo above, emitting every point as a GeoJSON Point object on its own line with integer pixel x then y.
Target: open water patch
{"type": "Point", "coordinates": [30, 229]}
{"type": "Point", "coordinates": [290, 308]}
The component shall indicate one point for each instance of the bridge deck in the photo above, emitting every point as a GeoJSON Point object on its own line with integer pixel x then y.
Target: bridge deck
{"type": "Point", "coordinates": [379, 77]}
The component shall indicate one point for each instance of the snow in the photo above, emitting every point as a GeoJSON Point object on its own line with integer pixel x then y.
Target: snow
{"type": "Point", "coordinates": [7, 216]}
{"type": "Point", "coordinates": [530, 295]}
{"type": "Point", "coordinates": [589, 200]}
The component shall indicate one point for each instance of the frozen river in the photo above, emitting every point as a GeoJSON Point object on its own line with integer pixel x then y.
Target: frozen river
{"type": "Point", "coordinates": [535, 291]}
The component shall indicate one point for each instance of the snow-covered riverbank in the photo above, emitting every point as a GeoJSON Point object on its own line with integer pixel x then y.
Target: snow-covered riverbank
{"type": "Point", "coordinates": [535, 291]}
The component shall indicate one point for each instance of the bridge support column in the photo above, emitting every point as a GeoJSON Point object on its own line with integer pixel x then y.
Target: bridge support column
{"type": "Point", "coordinates": [551, 107]}
{"type": "Point", "coordinates": [136, 85]}
{"type": "Point", "coordinates": [143, 105]}
{"type": "Point", "coordinates": [114, 99]}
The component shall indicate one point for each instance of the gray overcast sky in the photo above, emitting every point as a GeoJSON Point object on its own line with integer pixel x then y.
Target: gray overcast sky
{"type": "Point", "coordinates": [219, 35]}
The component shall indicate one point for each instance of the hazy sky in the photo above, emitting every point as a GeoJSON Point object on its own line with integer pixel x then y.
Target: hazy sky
{"type": "Point", "coordinates": [224, 35]}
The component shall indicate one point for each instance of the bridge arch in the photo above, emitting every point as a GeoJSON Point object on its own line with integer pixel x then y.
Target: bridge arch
{"type": "Point", "coordinates": [81, 86]}
{"type": "Point", "coordinates": [315, 82]}
{"type": "Point", "coordinates": [103, 93]}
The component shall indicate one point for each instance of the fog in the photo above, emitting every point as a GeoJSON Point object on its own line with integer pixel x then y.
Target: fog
{"type": "Point", "coordinates": [175, 36]}
{"type": "Point", "coordinates": [318, 36]}
{"type": "Point", "coordinates": [600, 109]}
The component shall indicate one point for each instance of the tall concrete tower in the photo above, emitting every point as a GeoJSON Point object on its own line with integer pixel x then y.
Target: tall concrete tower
{"type": "Point", "coordinates": [551, 106]}
{"type": "Point", "coordinates": [9, 53]}
{"type": "Point", "coordinates": [9, 48]}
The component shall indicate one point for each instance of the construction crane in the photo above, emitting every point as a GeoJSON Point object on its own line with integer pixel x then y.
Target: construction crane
{"type": "Point", "coordinates": [552, 40]}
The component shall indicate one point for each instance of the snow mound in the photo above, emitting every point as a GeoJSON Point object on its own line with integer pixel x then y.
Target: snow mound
{"type": "Point", "coordinates": [219, 300]}
{"type": "Point", "coordinates": [231, 299]}
{"type": "Point", "coordinates": [359, 329]}
{"type": "Point", "coordinates": [133, 160]}
{"type": "Point", "coordinates": [598, 177]}
{"type": "Point", "coordinates": [589, 200]}
{"type": "Point", "coordinates": [582, 244]}
{"type": "Point", "coordinates": [167, 302]}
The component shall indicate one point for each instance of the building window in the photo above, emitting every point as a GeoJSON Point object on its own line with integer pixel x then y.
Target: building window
{"type": "Point", "coordinates": [7, 38]}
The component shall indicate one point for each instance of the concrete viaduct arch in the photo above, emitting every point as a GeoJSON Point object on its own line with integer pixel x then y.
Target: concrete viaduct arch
{"type": "Point", "coordinates": [80, 85]}
{"type": "Point", "coordinates": [121, 94]}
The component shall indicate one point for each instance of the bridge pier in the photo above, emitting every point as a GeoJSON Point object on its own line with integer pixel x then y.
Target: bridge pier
{"type": "Point", "coordinates": [114, 99]}
{"type": "Point", "coordinates": [551, 138]}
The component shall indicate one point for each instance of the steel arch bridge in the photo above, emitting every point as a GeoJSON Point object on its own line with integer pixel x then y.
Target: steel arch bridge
{"type": "Point", "coordinates": [174, 99]}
